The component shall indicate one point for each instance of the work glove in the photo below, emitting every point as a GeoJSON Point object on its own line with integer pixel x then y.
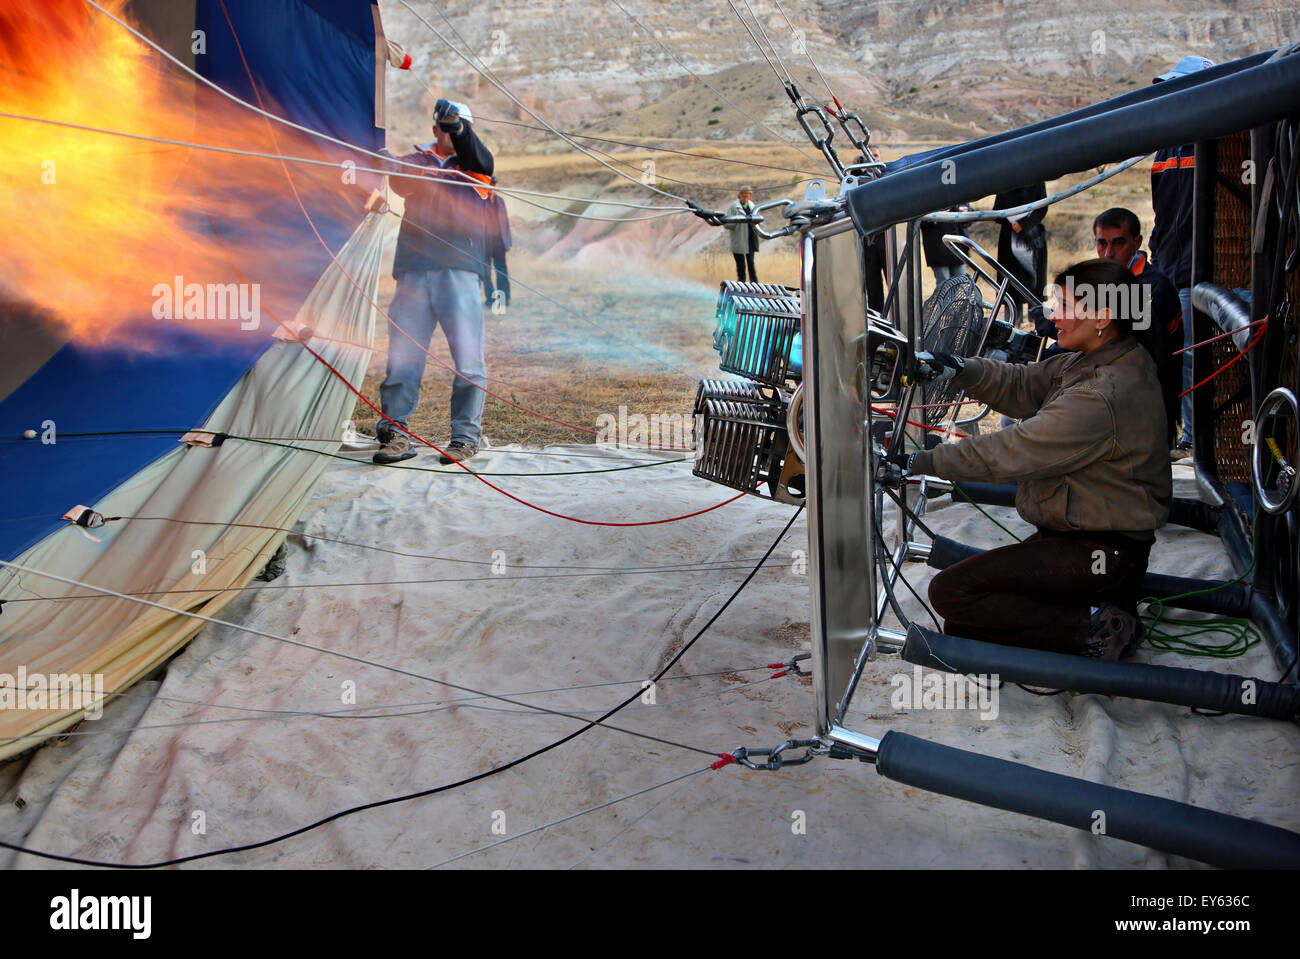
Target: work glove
{"type": "Point", "coordinates": [446, 116]}
{"type": "Point", "coordinates": [1043, 324]}
{"type": "Point", "coordinates": [893, 468]}
{"type": "Point", "coordinates": [937, 367]}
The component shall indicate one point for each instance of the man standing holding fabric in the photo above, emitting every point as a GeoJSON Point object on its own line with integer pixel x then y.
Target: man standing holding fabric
{"type": "Point", "coordinates": [441, 252]}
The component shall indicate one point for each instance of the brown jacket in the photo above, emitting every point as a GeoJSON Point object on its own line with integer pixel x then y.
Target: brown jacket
{"type": "Point", "coordinates": [1092, 454]}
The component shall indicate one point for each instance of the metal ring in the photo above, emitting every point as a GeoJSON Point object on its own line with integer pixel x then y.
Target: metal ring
{"type": "Point", "coordinates": [792, 423]}
{"type": "Point", "coordinates": [1280, 401]}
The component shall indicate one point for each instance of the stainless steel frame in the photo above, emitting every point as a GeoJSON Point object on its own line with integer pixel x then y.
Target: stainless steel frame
{"type": "Point", "coordinates": [840, 504]}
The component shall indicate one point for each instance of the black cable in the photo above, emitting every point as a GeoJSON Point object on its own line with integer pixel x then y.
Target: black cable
{"type": "Point", "coordinates": [902, 502]}
{"type": "Point", "coordinates": [889, 592]}
{"type": "Point", "coordinates": [436, 789]}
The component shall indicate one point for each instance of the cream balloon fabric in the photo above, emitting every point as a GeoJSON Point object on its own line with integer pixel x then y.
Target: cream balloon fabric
{"type": "Point", "coordinates": [189, 558]}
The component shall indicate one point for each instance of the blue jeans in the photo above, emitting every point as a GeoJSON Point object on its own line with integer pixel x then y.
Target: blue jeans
{"type": "Point", "coordinates": [424, 300]}
{"type": "Point", "coordinates": [1189, 337]}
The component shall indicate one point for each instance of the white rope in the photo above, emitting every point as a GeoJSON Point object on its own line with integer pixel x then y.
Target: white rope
{"type": "Point", "coordinates": [604, 805]}
{"type": "Point", "coordinates": [754, 37]}
{"type": "Point", "coordinates": [653, 36]}
{"type": "Point", "coordinates": [319, 649]}
{"type": "Point", "coordinates": [807, 49]}
{"type": "Point", "coordinates": [509, 191]}
{"type": "Point", "coordinates": [412, 709]}
{"type": "Point", "coordinates": [775, 52]}
{"type": "Point", "coordinates": [316, 133]}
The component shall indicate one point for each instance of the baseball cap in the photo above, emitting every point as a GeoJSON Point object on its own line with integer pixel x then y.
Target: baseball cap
{"type": "Point", "coordinates": [1185, 66]}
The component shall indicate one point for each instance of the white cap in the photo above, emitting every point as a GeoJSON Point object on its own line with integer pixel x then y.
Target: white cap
{"type": "Point", "coordinates": [463, 111]}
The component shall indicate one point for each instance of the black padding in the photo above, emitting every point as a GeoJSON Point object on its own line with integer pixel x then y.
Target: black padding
{"type": "Point", "coordinates": [1163, 824]}
{"type": "Point", "coordinates": [1182, 512]}
{"type": "Point", "coordinates": [1159, 684]}
{"type": "Point", "coordinates": [989, 494]}
{"type": "Point", "coordinates": [944, 552]}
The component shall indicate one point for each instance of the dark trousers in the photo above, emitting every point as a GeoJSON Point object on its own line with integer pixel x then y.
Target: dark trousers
{"type": "Point", "coordinates": [1039, 593]}
{"type": "Point", "coordinates": [743, 260]}
{"type": "Point", "coordinates": [873, 259]}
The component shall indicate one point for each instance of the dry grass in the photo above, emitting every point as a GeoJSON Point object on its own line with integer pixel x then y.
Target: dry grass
{"type": "Point", "coordinates": [596, 344]}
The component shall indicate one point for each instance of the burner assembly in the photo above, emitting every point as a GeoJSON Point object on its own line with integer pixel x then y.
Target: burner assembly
{"type": "Point", "coordinates": [744, 425]}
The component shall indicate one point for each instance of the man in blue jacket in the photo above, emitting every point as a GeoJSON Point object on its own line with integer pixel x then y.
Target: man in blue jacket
{"type": "Point", "coordinates": [440, 257]}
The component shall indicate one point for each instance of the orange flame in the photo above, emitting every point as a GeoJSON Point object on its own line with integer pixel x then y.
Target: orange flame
{"type": "Point", "coordinates": [99, 225]}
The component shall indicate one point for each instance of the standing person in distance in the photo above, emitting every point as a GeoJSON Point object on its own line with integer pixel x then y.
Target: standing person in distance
{"type": "Point", "coordinates": [943, 263]}
{"type": "Point", "coordinates": [744, 236]}
{"type": "Point", "coordinates": [441, 251]}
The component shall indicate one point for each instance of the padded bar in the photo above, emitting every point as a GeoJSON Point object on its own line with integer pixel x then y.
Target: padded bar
{"type": "Point", "coordinates": [1172, 827]}
{"type": "Point", "coordinates": [1159, 684]}
{"type": "Point", "coordinates": [1182, 512]}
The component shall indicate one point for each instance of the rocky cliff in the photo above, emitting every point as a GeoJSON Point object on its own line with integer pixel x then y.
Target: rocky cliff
{"type": "Point", "coordinates": [912, 68]}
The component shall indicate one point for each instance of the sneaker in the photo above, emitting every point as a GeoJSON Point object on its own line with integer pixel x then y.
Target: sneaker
{"type": "Point", "coordinates": [393, 448]}
{"type": "Point", "coordinates": [1113, 634]}
{"type": "Point", "coordinates": [1181, 452]}
{"type": "Point", "coordinates": [457, 452]}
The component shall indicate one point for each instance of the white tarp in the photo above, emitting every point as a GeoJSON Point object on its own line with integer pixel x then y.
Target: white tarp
{"type": "Point", "coordinates": [169, 776]}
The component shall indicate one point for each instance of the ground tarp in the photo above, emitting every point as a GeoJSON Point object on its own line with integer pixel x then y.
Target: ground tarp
{"type": "Point", "coordinates": [278, 746]}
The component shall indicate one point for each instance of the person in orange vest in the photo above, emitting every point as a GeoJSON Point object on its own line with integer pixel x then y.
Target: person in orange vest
{"type": "Point", "coordinates": [440, 257]}
{"type": "Point", "coordinates": [1117, 233]}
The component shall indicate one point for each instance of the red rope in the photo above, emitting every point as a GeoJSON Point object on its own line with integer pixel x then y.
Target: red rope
{"type": "Point", "coordinates": [893, 415]}
{"type": "Point", "coordinates": [1249, 346]}
{"type": "Point", "coordinates": [1221, 336]}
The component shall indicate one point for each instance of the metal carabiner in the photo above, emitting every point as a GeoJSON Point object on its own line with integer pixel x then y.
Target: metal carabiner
{"type": "Point", "coordinates": [821, 143]}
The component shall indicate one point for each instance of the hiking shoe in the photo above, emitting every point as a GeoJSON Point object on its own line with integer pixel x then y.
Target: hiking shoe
{"type": "Point", "coordinates": [393, 448]}
{"type": "Point", "coordinates": [457, 452]}
{"type": "Point", "coordinates": [1180, 452]}
{"type": "Point", "coordinates": [1113, 634]}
